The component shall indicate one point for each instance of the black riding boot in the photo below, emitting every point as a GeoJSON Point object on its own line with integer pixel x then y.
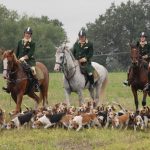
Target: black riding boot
{"type": "Point", "coordinates": [36, 84]}
{"type": "Point", "coordinates": [91, 80]}
{"type": "Point", "coordinates": [126, 82]}
{"type": "Point", "coordinates": [147, 86]}
{"type": "Point", "coordinates": [6, 89]}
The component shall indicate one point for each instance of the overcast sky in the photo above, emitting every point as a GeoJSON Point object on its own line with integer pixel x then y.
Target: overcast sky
{"type": "Point", "coordinates": [74, 14]}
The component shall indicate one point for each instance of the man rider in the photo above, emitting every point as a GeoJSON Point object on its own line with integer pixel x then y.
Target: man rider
{"type": "Point", "coordinates": [83, 52]}
{"type": "Point", "coordinates": [144, 49]}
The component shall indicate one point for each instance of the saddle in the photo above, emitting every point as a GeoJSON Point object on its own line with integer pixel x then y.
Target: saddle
{"type": "Point", "coordinates": [28, 71]}
{"type": "Point", "coordinates": [33, 79]}
{"type": "Point", "coordinates": [95, 74]}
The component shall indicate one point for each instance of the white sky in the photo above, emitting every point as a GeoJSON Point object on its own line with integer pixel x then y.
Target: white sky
{"type": "Point", "coordinates": [74, 14]}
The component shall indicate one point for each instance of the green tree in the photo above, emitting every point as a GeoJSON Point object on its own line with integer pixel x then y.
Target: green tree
{"type": "Point", "coordinates": [112, 32]}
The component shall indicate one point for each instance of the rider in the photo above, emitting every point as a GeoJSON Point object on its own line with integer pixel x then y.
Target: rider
{"type": "Point", "coordinates": [83, 52]}
{"type": "Point", "coordinates": [25, 53]}
{"type": "Point", "coordinates": [144, 49]}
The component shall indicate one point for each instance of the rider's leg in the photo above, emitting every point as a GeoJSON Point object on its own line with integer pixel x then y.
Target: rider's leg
{"type": "Point", "coordinates": [90, 75]}
{"type": "Point", "coordinates": [35, 80]}
{"type": "Point", "coordinates": [91, 79]}
{"type": "Point", "coordinates": [7, 88]}
{"type": "Point", "coordinates": [127, 82]}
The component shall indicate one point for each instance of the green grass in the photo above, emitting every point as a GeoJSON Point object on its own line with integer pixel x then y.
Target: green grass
{"type": "Point", "coordinates": [87, 139]}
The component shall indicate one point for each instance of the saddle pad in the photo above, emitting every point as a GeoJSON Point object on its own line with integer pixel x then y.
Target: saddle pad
{"type": "Point", "coordinates": [95, 74]}
{"type": "Point", "coordinates": [39, 73]}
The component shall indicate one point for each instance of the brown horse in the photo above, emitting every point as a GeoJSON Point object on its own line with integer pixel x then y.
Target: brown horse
{"type": "Point", "coordinates": [138, 75]}
{"type": "Point", "coordinates": [19, 82]}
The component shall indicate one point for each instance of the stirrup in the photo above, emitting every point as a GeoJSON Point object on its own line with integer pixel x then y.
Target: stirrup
{"type": "Point", "coordinates": [91, 86]}
{"type": "Point", "coordinates": [6, 89]}
{"type": "Point", "coordinates": [147, 87]}
{"type": "Point", "coordinates": [37, 88]}
{"type": "Point", "coordinates": [126, 83]}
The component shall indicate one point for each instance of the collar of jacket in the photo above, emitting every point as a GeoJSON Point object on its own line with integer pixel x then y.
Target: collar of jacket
{"type": "Point", "coordinates": [24, 40]}
{"type": "Point", "coordinates": [143, 43]}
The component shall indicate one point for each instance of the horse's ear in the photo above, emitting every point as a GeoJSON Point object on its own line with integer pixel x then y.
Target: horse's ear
{"type": "Point", "coordinates": [12, 51]}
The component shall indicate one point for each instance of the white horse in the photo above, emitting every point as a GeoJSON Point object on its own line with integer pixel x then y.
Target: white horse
{"type": "Point", "coordinates": [74, 80]}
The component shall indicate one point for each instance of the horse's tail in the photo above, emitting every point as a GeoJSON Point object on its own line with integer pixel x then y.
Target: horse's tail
{"type": "Point", "coordinates": [103, 88]}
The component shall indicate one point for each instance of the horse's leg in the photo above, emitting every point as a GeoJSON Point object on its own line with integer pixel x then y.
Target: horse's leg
{"type": "Point", "coordinates": [67, 95]}
{"type": "Point", "coordinates": [91, 90]}
{"type": "Point", "coordinates": [36, 98]}
{"type": "Point", "coordinates": [97, 94]}
{"type": "Point", "coordinates": [81, 100]}
{"type": "Point", "coordinates": [19, 101]}
{"type": "Point", "coordinates": [43, 95]}
{"type": "Point", "coordinates": [144, 98]}
{"type": "Point", "coordinates": [134, 91]}
{"type": "Point", "coordinates": [14, 96]}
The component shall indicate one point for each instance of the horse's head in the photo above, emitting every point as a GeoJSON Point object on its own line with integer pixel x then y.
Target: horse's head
{"type": "Point", "coordinates": [60, 58]}
{"type": "Point", "coordinates": [8, 58]}
{"type": "Point", "coordinates": [135, 55]}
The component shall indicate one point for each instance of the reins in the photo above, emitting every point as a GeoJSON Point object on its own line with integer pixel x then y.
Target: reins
{"type": "Point", "coordinates": [63, 65]}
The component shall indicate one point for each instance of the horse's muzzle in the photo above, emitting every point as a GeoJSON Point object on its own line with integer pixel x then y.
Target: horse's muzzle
{"type": "Point", "coordinates": [57, 67]}
{"type": "Point", "coordinates": [135, 63]}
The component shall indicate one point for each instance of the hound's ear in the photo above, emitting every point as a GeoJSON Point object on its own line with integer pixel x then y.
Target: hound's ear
{"type": "Point", "coordinates": [113, 107]}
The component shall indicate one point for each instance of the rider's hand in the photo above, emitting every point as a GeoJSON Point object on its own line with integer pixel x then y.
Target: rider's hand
{"type": "Point", "coordinates": [145, 56]}
{"type": "Point", "coordinates": [83, 60]}
{"type": "Point", "coordinates": [22, 59]}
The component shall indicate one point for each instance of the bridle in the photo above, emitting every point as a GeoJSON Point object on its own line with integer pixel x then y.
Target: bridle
{"type": "Point", "coordinates": [64, 68]}
{"type": "Point", "coordinates": [11, 72]}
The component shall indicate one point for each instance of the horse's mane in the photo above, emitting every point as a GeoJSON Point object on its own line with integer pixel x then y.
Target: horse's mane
{"type": "Point", "coordinates": [133, 46]}
{"type": "Point", "coordinates": [10, 52]}
{"type": "Point", "coordinates": [65, 48]}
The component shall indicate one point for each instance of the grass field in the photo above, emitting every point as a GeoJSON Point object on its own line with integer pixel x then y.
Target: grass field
{"type": "Point", "coordinates": [87, 139]}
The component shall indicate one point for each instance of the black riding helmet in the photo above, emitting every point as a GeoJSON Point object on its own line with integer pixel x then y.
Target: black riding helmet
{"type": "Point", "coordinates": [28, 30]}
{"type": "Point", "coordinates": [81, 33]}
{"type": "Point", "coordinates": [143, 34]}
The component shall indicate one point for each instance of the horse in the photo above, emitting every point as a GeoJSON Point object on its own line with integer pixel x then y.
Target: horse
{"type": "Point", "coordinates": [138, 75]}
{"type": "Point", "coordinates": [74, 80]}
{"type": "Point", "coordinates": [19, 81]}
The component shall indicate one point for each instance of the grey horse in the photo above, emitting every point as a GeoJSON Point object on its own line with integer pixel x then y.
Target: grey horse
{"type": "Point", "coordinates": [74, 80]}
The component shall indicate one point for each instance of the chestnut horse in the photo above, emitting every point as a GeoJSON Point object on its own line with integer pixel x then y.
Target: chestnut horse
{"type": "Point", "coordinates": [138, 75]}
{"type": "Point", "coordinates": [19, 82]}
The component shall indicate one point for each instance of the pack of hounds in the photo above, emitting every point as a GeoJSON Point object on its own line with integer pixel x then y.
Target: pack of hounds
{"type": "Point", "coordinates": [112, 116]}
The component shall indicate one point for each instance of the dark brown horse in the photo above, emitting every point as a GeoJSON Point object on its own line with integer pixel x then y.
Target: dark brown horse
{"type": "Point", "coordinates": [19, 82]}
{"type": "Point", "coordinates": [138, 75]}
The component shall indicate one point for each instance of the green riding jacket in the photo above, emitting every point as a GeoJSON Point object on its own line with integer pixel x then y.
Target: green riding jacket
{"type": "Point", "coordinates": [145, 50]}
{"type": "Point", "coordinates": [85, 50]}
{"type": "Point", "coordinates": [26, 49]}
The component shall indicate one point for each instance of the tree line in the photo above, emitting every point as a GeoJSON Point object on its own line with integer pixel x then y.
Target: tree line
{"type": "Point", "coordinates": [111, 33]}
{"type": "Point", "coordinates": [46, 33]}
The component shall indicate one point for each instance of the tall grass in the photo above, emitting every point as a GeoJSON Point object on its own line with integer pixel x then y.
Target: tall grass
{"type": "Point", "coordinates": [87, 139]}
